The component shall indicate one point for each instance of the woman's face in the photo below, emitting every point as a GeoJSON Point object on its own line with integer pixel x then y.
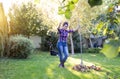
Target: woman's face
{"type": "Point", "coordinates": [65, 26]}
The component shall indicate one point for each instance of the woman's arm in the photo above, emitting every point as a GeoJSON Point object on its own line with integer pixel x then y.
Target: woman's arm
{"type": "Point", "coordinates": [70, 31]}
{"type": "Point", "coordinates": [59, 25]}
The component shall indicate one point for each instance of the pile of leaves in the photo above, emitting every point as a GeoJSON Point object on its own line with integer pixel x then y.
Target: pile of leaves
{"type": "Point", "coordinates": [84, 68]}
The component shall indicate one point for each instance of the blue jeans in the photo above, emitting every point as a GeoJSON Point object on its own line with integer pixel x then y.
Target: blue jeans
{"type": "Point", "coordinates": [63, 51]}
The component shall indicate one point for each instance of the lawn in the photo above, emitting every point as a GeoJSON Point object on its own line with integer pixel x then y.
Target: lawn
{"type": "Point", "coordinates": [41, 65]}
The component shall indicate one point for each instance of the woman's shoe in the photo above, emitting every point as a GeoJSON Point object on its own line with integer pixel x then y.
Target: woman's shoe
{"type": "Point", "coordinates": [60, 65]}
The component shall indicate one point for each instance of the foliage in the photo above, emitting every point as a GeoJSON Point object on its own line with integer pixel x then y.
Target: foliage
{"type": "Point", "coordinates": [93, 50]}
{"type": "Point", "coordinates": [53, 38]}
{"type": "Point", "coordinates": [111, 49]}
{"type": "Point", "coordinates": [20, 47]}
{"type": "Point", "coordinates": [50, 39]}
{"type": "Point", "coordinates": [45, 43]}
{"type": "Point", "coordinates": [70, 5]}
{"type": "Point", "coordinates": [82, 12]}
{"type": "Point", "coordinates": [93, 3]}
{"type": "Point", "coordinates": [85, 14]}
{"type": "Point", "coordinates": [108, 25]}
{"type": "Point", "coordinates": [26, 19]}
{"type": "Point", "coordinates": [67, 8]}
{"type": "Point", "coordinates": [3, 32]}
{"type": "Point", "coordinates": [76, 41]}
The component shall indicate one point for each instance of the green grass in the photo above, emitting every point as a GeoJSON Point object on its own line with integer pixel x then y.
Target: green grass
{"type": "Point", "coordinates": [43, 66]}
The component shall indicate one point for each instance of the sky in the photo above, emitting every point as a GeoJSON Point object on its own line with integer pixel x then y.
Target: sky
{"type": "Point", "coordinates": [6, 4]}
{"type": "Point", "coordinates": [51, 7]}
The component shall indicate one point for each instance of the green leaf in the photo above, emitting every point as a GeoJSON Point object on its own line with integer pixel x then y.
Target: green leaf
{"type": "Point", "coordinates": [105, 31]}
{"type": "Point", "coordinates": [71, 6]}
{"type": "Point", "coordinates": [111, 31]}
{"type": "Point", "coordinates": [111, 49]}
{"type": "Point", "coordinates": [93, 3]}
{"type": "Point", "coordinates": [99, 27]}
{"type": "Point", "coordinates": [63, 1]}
{"type": "Point", "coordinates": [60, 11]}
{"type": "Point", "coordinates": [119, 48]}
{"type": "Point", "coordinates": [68, 14]}
{"type": "Point", "coordinates": [75, 1]}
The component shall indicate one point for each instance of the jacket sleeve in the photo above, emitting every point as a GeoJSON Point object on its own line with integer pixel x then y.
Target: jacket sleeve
{"type": "Point", "coordinates": [59, 31]}
{"type": "Point", "coordinates": [70, 31]}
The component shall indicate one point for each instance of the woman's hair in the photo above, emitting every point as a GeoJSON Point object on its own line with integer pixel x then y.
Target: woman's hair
{"type": "Point", "coordinates": [65, 23]}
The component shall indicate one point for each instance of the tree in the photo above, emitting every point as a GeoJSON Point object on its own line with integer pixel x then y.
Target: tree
{"type": "Point", "coordinates": [70, 6]}
{"type": "Point", "coordinates": [109, 25]}
{"type": "Point", "coordinates": [3, 32]}
{"type": "Point", "coordinates": [26, 19]}
{"type": "Point", "coordinates": [84, 12]}
{"type": "Point", "coordinates": [66, 10]}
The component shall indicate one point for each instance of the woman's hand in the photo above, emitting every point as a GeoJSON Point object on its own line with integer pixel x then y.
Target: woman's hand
{"type": "Point", "coordinates": [77, 28]}
{"type": "Point", "coordinates": [59, 25]}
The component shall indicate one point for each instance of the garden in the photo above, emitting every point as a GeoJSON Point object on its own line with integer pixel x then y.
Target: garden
{"type": "Point", "coordinates": [30, 32]}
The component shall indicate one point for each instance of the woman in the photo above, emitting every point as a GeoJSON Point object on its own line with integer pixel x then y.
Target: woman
{"type": "Point", "coordinates": [62, 42]}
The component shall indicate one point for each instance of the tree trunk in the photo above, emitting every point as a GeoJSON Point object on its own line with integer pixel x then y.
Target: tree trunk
{"type": "Point", "coordinates": [91, 44]}
{"type": "Point", "coordinates": [72, 46]}
{"type": "Point", "coordinates": [81, 51]}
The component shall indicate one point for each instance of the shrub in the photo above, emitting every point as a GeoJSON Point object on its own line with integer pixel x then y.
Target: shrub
{"type": "Point", "coordinates": [93, 50]}
{"type": "Point", "coordinates": [50, 39]}
{"type": "Point", "coordinates": [20, 47]}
